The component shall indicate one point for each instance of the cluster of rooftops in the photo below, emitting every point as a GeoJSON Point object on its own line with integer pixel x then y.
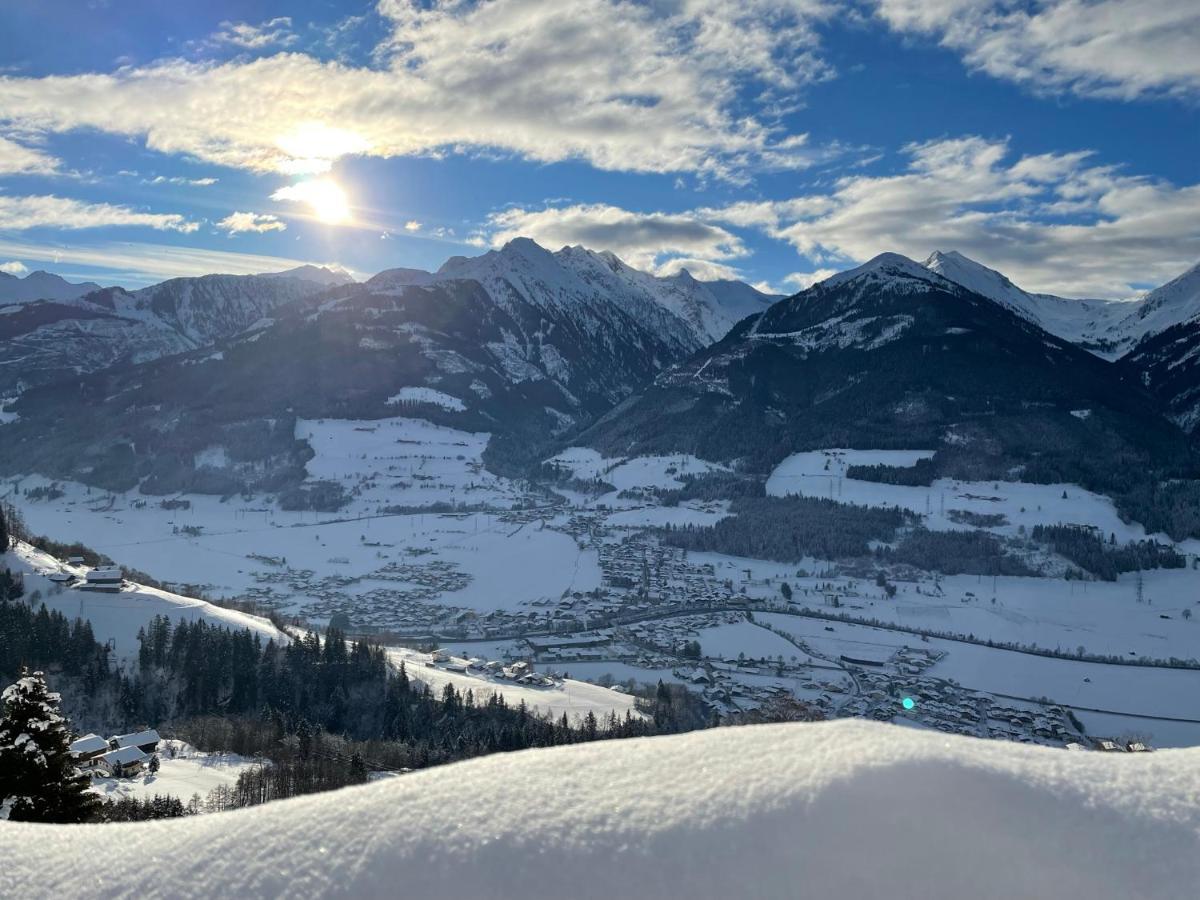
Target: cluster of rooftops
{"type": "Point", "coordinates": [121, 755]}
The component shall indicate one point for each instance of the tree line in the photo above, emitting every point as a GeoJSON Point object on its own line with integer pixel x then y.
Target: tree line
{"type": "Point", "coordinates": [1087, 549]}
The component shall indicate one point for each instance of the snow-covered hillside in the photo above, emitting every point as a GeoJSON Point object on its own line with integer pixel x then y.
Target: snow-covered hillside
{"type": "Point", "coordinates": [1109, 328]}
{"type": "Point", "coordinates": [1098, 325]}
{"type": "Point", "coordinates": [47, 340]}
{"type": "Point", "coordinates": [839, 810]}
{"type": "Point", "coordinates": [117, 617]}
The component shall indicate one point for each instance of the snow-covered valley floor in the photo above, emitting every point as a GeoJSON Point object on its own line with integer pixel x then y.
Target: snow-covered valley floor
{"type": "Point", "coordinates": [515, 565]}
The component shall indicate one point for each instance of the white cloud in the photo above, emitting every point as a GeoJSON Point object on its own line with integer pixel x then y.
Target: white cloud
{"type": "Point", "coordinates": [700, 269]}
{"type": "Point", "coordinates": [22, 213]}
{"type": "Point", "coordinates": [640, 239]}
{"type": "Point", "coordinates": [17, 159]}
{"type": "Point", "coordinates": [14, 267]}
{"type": "Point", "coordinates": [141, 263]}
{"type": "Point", "coordinates": [273, 32]}
{"type": "Point", "coordinates": [1051, 222]}
{"type": "Point", "coordinates": [1106, 48]}
{"type": "Point", "coordinates": [412, 225]}
{"type": "Point", "coordinates": [637, 87]}
{"type": "Point", "coordinates": [257, 223]}
{"type": "Point", "coordinates": [179, 179]}
{"type": "Point", "coordinates": [799, 281]}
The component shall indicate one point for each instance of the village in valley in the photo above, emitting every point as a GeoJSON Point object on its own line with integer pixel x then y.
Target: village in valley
{"type": "Point", "coordinates": [568, 588]}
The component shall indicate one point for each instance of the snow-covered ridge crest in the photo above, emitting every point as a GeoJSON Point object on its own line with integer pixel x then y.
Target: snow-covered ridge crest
{"type": "Point", "coordinates": [590, 282]}
{"type": "Point", "coordinates": [844, 809]}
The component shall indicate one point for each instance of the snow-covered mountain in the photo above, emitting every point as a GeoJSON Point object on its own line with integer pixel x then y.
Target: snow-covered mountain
{"type": "Point", "coordinates": [1108, 328]}
{"type": "Point", "coordinates": [1174, 303]}
{"type": "Point", "coordinates": [1167, 357]}
{"type": "Point", "coordinates": [326, 276]}
{"type": "Point", "coordinates": [513, 343]}
{"type": "Point", "coordinates": [891, 354]}
{"type": "Point", "coordinates": [770, 811]}
{"type": "Point", "coordinates": [43, 341]}
{"type": "Point", "coordinates": [592, 283]}
{"type": "Point", "coordinates": [1095, 325]}
{"type": "Point", "coordinates": [41, 285]}
{"type": "Point", "coordinates": [1156, 337]}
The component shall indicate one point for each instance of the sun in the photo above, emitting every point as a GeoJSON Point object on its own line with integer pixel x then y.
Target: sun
{"type": "Point", "coordinates": [328, 201]}
{"type": "Point", "coordinates": [324, 196]}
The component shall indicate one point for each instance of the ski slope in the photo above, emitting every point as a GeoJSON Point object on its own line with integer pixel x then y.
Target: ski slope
{"type": "Point", "coordinates": [842, 810]}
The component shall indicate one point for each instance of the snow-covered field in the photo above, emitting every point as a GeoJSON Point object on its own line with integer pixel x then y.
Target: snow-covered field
{"type": "Point", "coordinates": [845, 809]}
{"type": "Point", "coordinates": [637, 472]}
{"type": "Point", "coordinates": [821, 473]}
{"type": "Point", "coordinates": [183, 772]}
{"type": "Point", "coordinates": [402, 462]}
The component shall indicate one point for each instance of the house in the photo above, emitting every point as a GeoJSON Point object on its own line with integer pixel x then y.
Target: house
{"type": "Point", "coordinates": [103, 578]}
{"type": "Point", "coordinates": [146, 741]}
{"type": "Point", "coordinates": [61, 577]}
{"type": "Point", "coordinates": [1107, 745]}
{"type": "Point", "coordinates": [85, 751]}
{"type": "Point", "coordinates": [1136, 747]}
{"type": "Point", "coordinates": [122, 763]}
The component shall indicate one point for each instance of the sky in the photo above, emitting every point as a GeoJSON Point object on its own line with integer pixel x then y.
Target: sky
{"type": "Point", "coordinates": [774, 141]}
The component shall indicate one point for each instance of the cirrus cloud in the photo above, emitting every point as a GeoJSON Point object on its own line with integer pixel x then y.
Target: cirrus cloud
{"type": "Point", "coordinates": [48, 211]}
{"type": "Point", "coordinates": [18, 159]}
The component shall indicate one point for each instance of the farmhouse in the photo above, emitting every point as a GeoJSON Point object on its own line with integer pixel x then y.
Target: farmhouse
{"type": "Point", "coordinates": [87, 750]}
{"type": "Point", "coordinates": [145, 741]}
{"type": "Point", "coordinates": [103, 578]}
{"type": "Point", "coordinates": [122, 763]}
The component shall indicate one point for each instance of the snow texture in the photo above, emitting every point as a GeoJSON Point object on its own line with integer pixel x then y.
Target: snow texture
{"type": "Point", "coordinates": [841, 810]}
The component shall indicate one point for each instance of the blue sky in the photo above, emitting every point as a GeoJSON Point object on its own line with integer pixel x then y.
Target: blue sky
{"type": "Point", "coordinates": [769, 140]}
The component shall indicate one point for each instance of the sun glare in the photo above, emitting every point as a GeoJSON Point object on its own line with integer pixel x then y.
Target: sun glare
{"type": "Point", "coordinates": [324, 197]}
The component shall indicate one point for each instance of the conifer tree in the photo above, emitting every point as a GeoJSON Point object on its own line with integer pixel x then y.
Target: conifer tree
{"type": "Point", "coordinates": [38, 778]}
{"type": "Point", "coordinates": [4, 539]}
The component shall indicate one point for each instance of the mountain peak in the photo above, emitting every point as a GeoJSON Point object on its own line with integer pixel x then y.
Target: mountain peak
{"type": "Point", "coordinates": [975, 276]}
{"type": "Point", "coordinates": [326, 275]}
{"type": "Point", "coordinates": [524, 247]}
{"type": "Point", "coordinates": [42, 285]}
{"type": "Point", "coordinates": [886, 265]}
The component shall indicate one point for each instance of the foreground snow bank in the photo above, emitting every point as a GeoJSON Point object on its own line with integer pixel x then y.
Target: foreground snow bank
{"type": "Point", "coordinates": [841, 810]}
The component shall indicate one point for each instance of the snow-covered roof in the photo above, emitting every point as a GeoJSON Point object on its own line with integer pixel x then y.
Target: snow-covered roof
{"type": "Point", "coordinates": [814, 810]}
{"type": "Point", "coordinates": [137, 738]}
{"type": "Point", "coordinates": [124, 756]}
{"type": "Point", "coordinates": [105, 573]}
{"type": "Point", "coordinates": [89, 743]}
